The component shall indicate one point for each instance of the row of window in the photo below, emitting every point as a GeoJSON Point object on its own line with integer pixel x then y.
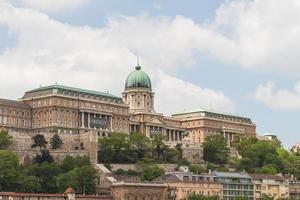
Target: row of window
{"type": "Point", "coordinates": [74, 103]}
{"type": "Point", "coordinates": [7, 111]}
{"type": "Point", "coordinates": [14, 121]}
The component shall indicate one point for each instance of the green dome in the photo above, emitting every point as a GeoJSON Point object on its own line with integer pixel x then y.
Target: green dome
{"type": "Point", "coordinates": [138, 79]}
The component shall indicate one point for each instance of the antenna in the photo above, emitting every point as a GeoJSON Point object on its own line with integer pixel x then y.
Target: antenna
{"type": "Point", "coordinates": [138, 60]}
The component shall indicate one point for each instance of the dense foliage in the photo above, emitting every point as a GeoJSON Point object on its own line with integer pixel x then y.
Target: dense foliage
{"type": "Point", "coordinates": [215, 150]}
{"type": "Point", "coordinates": [43, 175]}
{"type": "Point", "coordinates": [124, 148]}
{"type": "Point", "coordinates": [266, 157]}
{"type": "Point", "coordinates": [46, 177]}
{"type": "Point", "coordinates": [194, 196]}
{"type": "Point", "coordinates": [5, 139]}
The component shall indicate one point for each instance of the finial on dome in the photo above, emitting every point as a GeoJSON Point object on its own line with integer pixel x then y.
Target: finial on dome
{"type": "Point", "coordinates": [138, 67]}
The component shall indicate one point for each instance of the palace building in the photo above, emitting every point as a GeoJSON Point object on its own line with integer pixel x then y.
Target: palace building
{"type": "Point", "coordinates": [81, 116]}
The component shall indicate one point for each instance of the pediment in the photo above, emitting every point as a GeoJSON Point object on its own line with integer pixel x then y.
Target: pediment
{"type": "Point", "coordinates": [155, 120]}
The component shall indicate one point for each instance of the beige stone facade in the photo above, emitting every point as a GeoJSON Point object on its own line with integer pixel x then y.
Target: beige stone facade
{"type": "Point", "coordinates": [202, 123]}
{"type": "Point", "coordinates": [140, 191]}
{"type": "Point", "coordinates": [294, 189]}
{"type": "Point", "coordinates": [270, 185]}
{"type": "Point", "coordinates": [188, 183]}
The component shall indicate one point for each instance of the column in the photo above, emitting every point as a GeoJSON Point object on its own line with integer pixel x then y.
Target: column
{"type": "Point", "coordinates": [106, 118]}
{"type": "Point", "coordinates": [111, 123]}
{"type": "Point", "coordinates": [89, 120]}
{"type": "Point", "coordinates": [82, 119]}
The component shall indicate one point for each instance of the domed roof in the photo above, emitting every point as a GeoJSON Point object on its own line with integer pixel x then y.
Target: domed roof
{"type": "Point", "coordinates": [138, 79]}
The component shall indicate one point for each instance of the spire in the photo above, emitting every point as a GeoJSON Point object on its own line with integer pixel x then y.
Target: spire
{"type": "Point", "coordinates": [138, 67]}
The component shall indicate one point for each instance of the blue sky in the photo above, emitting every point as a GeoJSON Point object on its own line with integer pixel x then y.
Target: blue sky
{"type": "Point", "coordinates": [236, 56]}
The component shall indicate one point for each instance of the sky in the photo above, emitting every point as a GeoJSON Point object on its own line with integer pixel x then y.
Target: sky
{"type": "Point", "coordinates": [241, 57]}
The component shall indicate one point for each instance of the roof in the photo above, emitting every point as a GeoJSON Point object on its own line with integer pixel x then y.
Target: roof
{"type": "Point", "coordinates": [73, 89]}
{"type": "Point", "coordinates": [203, 110]}
{"type": "Point", "coordinates": [267, 176]}
{"type": "Point", "coordinates": [13, 103]}
{"type": "Point", "coordinates": [232, 175]}
{"type": "Point", "coordinates": [138, 79]}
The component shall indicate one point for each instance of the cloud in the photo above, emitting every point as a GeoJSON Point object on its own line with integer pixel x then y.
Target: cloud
{"type": "Point", "coordinates": [281, 99]}
{"type": "Point", "coordinates": [47, 51]}
{"type": "Point", "coordinates": [177, 95]}
{"type": "Point", "coordinates": [54, 5]}
{"type": "Point", "coordinates": [264, 33]}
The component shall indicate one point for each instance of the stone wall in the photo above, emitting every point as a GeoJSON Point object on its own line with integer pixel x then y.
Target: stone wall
{"type": "Point", "coordinates": [193, 153]}
{"type": "Point", "coordinates": [73, 145]}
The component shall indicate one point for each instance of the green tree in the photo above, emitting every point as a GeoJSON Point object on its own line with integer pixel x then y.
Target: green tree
{"type": "Point", "coordinates": [5, 139]}
{"type": "Point", "coordinates": [178, 147]}
{"type": "Point", "coordinates": [115, 148]}
{"type": "Point", "coordinates": [170, 154]}
{"type": "Point", "coordinates": [158, 146]}
{"type": "Point", "coordinates": [70, 162]}
{"type": "Point", "coordinates": [43, 156]}
{"type": "Point", "coordinates": [149, 170]}
{"type": "Point", "coordinates": [46, 174]}
{"type": "Point", "coordinates": [9, 166]}
{"type": "Point", "coordinates": [139, 145]}
{"type": "Point", "coordinates": [215, 149]}
{"type": "Point", "coordinates": [197, 169]}
{"type": "Point", "coordinates": [243, 144]}
{"type": "Point", "coordinates": [194, 196]}
{"type": "Point", "coordinates": [66, 180]}
{"type": "Point", "coordinates": [39, 141]}
{"type": "Point", "coordinates": [28, 183]}
{"type": "Point", "coordinates": [82, 180]}
{"type": "Point", "coordinates": [267, 169]}
{"type": "Point", "coordinates": [86, 179]}
{"type": "Point", "coordinates": [56, 142]}
{"type": "Point", "coordinates": [260, 154]}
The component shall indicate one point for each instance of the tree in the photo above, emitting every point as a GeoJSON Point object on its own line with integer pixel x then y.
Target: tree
{"type": "Point", "coordinates": [197, 169]}
{"type": "Point", "coordinates": [158, 146]}
{"type": "Point", "coordinates": [170, 154]}
{"type": "Point", "coordinates": [194, 196]}
{"type": "Point", "coordinates": [5, 139]}
{"type": "Point", "coordinates": [149, 170]}
{"type": "Point", "coordinates": [215, 149]}
{"type": "Point", "coordinates": [260, 154]}
{"type": "Point", "coordinates": [43, 156]}
{"type": "Point", "coordinates": [115, 148]}
{"type": "Point", "coordinates": [69, 163]}
{"type": "Point", "coordinates": [267, 169]}
{"type": "Point", "coordinates": [56, 142]}
{"type": "Point", "coordinates": [243, 144]}
{"type": "Point", "coordinates": [39, 141]}
{"type": "Point", "coordinates": [9, 166]}
{"type": "Point", "coordinates": [86, 179]}
{"type": "Point", "coordinates": [139, 145]}
{"type": "Point", "coordinates": [45, 174]}
{"type": "Point", "coordinates": [179, 149]}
